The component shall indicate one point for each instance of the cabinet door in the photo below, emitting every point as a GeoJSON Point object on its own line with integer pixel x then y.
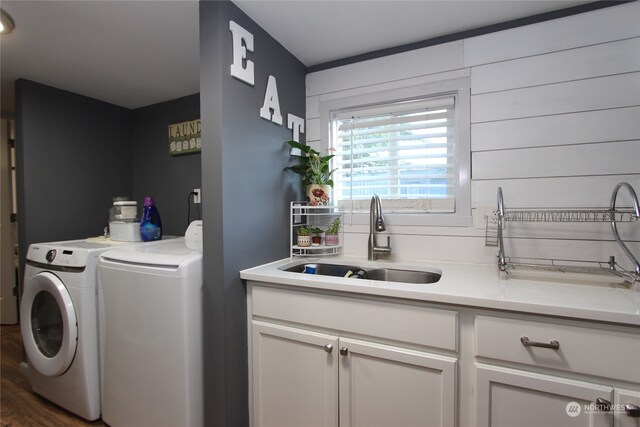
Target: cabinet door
{"type": "Point", "coordinates": [626, 409]}
{"type": "Point", "coordinates": [295, 377]}
{"type": "Point", "coordinates": [389, 386]}
{"type": "Point", "coordinates": [509, 397]}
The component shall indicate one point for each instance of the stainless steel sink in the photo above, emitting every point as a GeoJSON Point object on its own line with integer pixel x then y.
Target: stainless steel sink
{"type": "Point", "coordinates": [381, 274]}
{"type": "Point", "coordinates": [336, 270]}
{"type": "Point", "coordinates": [404, 276]}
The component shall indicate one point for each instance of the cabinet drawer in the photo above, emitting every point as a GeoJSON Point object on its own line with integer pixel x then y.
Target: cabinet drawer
{"type": "Point", "coordinates": [594, 351]}
{"type": "Point", "coordinates": [433, 327]}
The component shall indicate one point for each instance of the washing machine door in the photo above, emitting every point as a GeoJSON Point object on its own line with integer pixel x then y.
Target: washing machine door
{"type": "Point", "coordinates": [48, 324]}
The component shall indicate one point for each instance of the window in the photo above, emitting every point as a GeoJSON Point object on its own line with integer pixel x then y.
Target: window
{"type": "Point", "coordinates": [413, 153]}
{"type": "Point", "coordinates": [404, 152]}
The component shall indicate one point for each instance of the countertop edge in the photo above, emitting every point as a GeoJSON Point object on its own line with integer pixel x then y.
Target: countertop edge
{"type": "Point", "coordinates": [487, 291]}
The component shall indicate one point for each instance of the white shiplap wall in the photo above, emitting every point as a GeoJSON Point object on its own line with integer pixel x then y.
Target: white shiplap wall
{"type": "Point", "coordinates": [555, 122]}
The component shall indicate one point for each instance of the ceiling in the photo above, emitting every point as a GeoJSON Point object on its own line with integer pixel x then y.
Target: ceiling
{"type": "Point", "coordinates": [137, 53]}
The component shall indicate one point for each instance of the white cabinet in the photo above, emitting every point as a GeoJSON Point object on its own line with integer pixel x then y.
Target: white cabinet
{"type": "Point", "coordinates": [627, 409]}
{"type": "Point", "coordinates": [295, 377]}
{"type": "Point", "coordinates": [306, 377]}
{"type": "Point", "coordinates": [327, 358]}
{"type": "Point", "coordinates": [537, 371]}
{"type": "Point", "coordinates": [581, 348]}
{"type": "Point", "coordinates": [389, 386]}
{"type": "Point", "coordinates": [510, 397]}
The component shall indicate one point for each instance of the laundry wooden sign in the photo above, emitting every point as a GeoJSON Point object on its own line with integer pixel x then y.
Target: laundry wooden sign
{"type": "Point", "coordinates": [184, 138]}
{"type": "Point", "coordinates": [243, 69]}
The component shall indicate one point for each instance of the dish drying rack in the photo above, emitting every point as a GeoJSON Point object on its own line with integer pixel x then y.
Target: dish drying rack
{"type": "Point", "coordinates": [613, 215]}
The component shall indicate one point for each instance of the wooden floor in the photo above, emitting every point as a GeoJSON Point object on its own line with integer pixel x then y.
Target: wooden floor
{"type": "Point", "coordinates": [19, 406]}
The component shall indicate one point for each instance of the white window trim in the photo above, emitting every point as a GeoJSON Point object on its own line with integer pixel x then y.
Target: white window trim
{"type": "Point", "coordinates": [461, 88]}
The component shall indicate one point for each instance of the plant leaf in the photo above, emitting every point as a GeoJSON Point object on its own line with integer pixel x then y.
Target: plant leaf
{"type": "Point", "coordinates": [304, 148]}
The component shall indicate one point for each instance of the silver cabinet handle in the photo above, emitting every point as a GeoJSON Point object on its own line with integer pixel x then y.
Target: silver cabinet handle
{"type": "Point", "coordinates": [328, 348]}
{"type": "Point", "coordinates": [555, 345]}
{"type": "Point", "coordinates": [632, 410]}
{"type": "Point", "coordinates": [603, 404]}
{"type": "Point", "coordinates": [344, 351]}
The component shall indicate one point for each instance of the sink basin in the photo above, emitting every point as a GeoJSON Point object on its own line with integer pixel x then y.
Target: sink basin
{"type": "Point", "coordinates": [404, 276]}
{"type": "Point", "coordinates": [381, 274]}
{"type": "Point", "coordinates": [335, 270]}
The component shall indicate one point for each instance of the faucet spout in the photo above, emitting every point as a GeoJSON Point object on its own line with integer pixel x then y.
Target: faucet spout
{"type": "Point", "coordinates": [380, 225]}
{"type": "Point", "coordinates": [376, 225]}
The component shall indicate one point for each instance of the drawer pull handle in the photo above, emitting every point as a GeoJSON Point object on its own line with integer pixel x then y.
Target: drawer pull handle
{"type": "Point", "coordinates": [328, 348]}
{"type": "Point", "coordinates": [632, 410]}
{"type": "Point", "coordinates": [555, 345]}
{"type": "Point", "coordinates": [344, 351]}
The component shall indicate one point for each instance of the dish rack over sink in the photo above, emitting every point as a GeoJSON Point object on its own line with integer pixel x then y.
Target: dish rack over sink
{"type": "Point", "coordinates": [613, 215]}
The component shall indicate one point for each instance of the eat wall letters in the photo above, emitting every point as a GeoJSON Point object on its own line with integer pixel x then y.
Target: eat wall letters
{"type": "Point", "coordinates": [242, 69]}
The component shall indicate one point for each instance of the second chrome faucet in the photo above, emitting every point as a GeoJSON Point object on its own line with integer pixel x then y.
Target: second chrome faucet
{"type": "Point", "coordinates": [376, 225]}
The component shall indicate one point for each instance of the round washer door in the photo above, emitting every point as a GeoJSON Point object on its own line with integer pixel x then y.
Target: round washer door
{"type": "Point", "coordinates": [48, 324]}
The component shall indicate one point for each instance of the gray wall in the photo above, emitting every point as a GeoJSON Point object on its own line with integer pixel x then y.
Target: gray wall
{"type": "Point", "coordinates": [245, 194]}
{"type": "Point", "coordinates": [169, 179]}
{"type": "Point", "coordinates": [73, 154]}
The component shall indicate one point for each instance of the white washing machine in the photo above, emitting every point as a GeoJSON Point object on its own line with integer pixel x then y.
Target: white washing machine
{"type": "Point", "coordinates": [150, 304]}
{"type": "Point", "coordinates": [58, 321]}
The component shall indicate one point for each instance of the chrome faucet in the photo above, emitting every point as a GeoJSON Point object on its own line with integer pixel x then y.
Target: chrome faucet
{"type": "Point", "coordinates": [376, 225]}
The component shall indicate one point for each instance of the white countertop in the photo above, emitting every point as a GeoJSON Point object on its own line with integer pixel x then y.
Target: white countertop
{"type": "Point", "coordinates": [555, 294]}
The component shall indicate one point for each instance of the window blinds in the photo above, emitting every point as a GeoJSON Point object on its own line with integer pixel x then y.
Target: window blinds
{"type": "Point", "coordinates": [404, 152]}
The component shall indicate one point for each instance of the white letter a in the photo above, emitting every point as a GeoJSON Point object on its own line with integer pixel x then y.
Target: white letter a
{"type": "Point", "coordinates": [271, 107]}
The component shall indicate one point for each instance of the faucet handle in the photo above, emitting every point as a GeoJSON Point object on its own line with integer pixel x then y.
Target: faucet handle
{"type": "Point", "coordinates": [389, 242]}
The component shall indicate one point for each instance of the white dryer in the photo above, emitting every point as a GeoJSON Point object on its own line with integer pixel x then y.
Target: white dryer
{"type": "Point", "coordinates": [150, 299]}
{"type": "Point", "coordinates": [58, 321]}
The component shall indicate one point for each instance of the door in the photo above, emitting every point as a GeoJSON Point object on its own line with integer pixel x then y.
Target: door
{"type": "Point", "coordinates": [510, 397]}
{"type": "Point", "coordinates": [385, 386]}
{"type": "Point", "coordinates": [295, 377]}
{"type": "Point", "coordinates": [48, 324]}
{"type": "Point", "coordinates": [8, 302]}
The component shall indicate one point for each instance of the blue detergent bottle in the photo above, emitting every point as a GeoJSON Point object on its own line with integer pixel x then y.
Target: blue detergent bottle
{"type": "Point", "coordinates": [150, 224]}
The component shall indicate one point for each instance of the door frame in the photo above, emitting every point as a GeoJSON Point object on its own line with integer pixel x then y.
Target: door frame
{"type": "Point", "coordinates": [8, 296]}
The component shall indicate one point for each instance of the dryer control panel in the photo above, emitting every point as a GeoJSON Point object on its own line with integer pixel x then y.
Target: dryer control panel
{"type": "Point", "coordinates": [57, 256]}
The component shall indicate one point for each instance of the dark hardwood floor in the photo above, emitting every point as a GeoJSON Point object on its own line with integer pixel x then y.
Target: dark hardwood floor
{"type": "Point", "coordinates": [19, 406]}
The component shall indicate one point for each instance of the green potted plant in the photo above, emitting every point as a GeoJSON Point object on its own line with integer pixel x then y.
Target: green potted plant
{"type": "Point", "coordinates": [304, 236]}
{"type": "Point", "coordinates": [315, 173]}
{"type": "Point", "coordinates": [331, 237]}
{"type": "Point", "coordinates": [316, 235]}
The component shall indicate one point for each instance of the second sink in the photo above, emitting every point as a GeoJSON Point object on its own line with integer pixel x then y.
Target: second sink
{"type": "Point", "coordinates": [404, 276]}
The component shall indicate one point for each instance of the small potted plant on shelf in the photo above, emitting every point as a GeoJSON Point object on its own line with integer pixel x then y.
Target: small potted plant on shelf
{"type": "Point", "coordinates": [304, 236]}
{"type": "Point", "coordinates": [331, 237]}
{"type": "Point", "coordinates": [314, 172]}
{"type": "Point", "coordinates": [316, 235]}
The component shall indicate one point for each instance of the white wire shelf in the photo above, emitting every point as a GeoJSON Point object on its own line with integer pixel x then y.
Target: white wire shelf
{"type": "Point", "coordinates": [322, 250]}
{"type": "Point", "coordinates": [304, 215]}
{"type": "Point", "coordinates": [569, 215]}
{"type": "Point", "coordinates": [610, 267]}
